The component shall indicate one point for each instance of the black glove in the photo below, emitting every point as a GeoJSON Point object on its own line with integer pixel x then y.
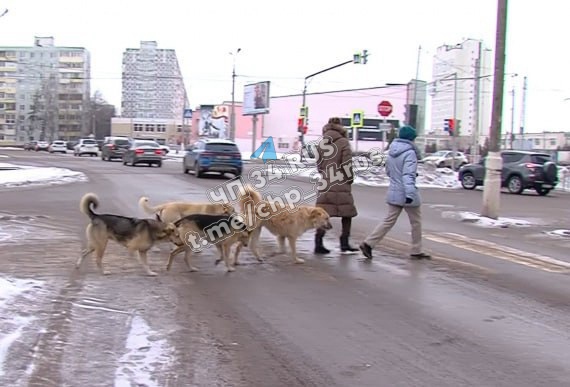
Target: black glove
{"type": "Point", "coordinates": [409, 200]}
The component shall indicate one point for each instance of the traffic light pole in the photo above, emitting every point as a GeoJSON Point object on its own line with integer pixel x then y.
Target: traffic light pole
{"type": "Point", "coordinates": [301, 134]}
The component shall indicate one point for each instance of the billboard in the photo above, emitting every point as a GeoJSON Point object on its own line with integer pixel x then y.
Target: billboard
{"type": "Point", "coordinates": [256, 99]}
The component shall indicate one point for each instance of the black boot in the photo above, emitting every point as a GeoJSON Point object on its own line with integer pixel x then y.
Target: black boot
{"type": "Point", "coordinates": [345, 247]}
{"type": "Point", "coordinates": [319, 246]}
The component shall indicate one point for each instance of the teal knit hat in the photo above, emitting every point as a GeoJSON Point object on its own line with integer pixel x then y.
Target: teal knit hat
{"type": "Point", "coordinates": [407, 133]}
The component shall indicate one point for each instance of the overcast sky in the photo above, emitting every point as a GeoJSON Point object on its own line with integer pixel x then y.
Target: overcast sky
{"type": "Point", "coordinates": [285, 41]}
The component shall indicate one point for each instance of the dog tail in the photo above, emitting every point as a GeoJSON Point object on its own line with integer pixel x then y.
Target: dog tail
{"type": "Point", "coordinates": [87, 201]}
{"type": "Point", "coordinates": [143, 203]}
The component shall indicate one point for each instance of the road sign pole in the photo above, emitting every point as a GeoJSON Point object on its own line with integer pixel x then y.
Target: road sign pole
{"type": "Point", "coordinates": [355, 136]}
{"type": "Point", "coordinates": [253, 132]}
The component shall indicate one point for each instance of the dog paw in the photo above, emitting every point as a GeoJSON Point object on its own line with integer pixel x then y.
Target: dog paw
{"type": "Point", "coordinates": [106, 272]}
{"type": "Point", "coordinates": [231, 269]}
{"type": "Point", "coordinates": [299, 260]}
{"type": "Point", "coordinates": [152, 274]}
{"type": "Point", "coordinates": [237, 263]}
{"type": "Point", "coordinates": [193, 269]}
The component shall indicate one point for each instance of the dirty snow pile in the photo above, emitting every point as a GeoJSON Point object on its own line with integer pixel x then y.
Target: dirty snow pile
{"type": "Point", "coordinates": [564, 176]}
{"type": "Point", "coordinates": [482, 221]}
{"type": "Point", "coordinates": [18, 175]}
{"type": "Point", "coordinates": [428, 177]}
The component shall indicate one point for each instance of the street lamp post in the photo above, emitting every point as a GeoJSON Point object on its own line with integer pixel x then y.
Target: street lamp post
{"type": "Point", "coordinates": [233, 110]}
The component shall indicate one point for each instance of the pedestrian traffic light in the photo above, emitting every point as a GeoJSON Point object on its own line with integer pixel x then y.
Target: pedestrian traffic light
{"type": "Point", "coordinates": [356, 58]}
{"type": "Point", "coordinates": [304, 111]}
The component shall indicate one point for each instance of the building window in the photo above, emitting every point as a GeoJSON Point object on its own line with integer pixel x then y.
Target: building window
{"type": "Point", "coordinates": [161, 128]}
{"type": "Point", "coordinates": [536, 141]}
{"type": "Point", "coordinates": [179, 128]}
{"type": "Point", "coordinates": [553, 141]}
{"type": "Point", "coordinates": [138, 128]}
{"type": "Point", "coordinates": [149, 127]}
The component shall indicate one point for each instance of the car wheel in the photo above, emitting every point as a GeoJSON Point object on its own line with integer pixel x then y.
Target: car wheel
{"type": "Point", "coordinates": [184, 169]}
{"type": "Point", "coordinates": [197, 171]}
{"type": "Point", "coordinates": [468, 181]}
{"type": "Point", "coordinates": [543, 191]}
{"type": "Point", "coordinates": [124, 161]}
{"type": "Point", "coordinates": [515, 185]}
{"type": "Point", "coordinates": [159, 164]}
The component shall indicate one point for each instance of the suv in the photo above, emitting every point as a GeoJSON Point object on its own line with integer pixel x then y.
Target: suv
{"type": "Point", "coordinates": [213, 155]}
{"type": "Point", "coordinates": [58, 146]}
{"type": "Point", "coordinates": [42, 146]}
{"type": "Point", "coordinates": [521, 170]}
{"type": "Point", "coordinates": [86, 146]}
{"type": "Point", "coordinates": [114, 148]}
{"type": "Point", "coordinates": [445, 159]}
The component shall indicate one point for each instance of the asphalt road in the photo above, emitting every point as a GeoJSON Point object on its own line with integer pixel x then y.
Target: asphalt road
{"type": "Point", "coordinates": [491, 308]}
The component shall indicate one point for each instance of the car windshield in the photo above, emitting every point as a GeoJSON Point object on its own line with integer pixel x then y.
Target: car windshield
{"type": "Point", "coordinates": [148, 144]}
{"type": "Point", "coordinates": [122, 141]}
{"type": "Point", "coordinates": [89, 142]}
{"type": "Point", "coordinates": [540, 159]}
{"type": "Point", "coordinates": [440, 153]}
{"type": "Point", "coordinates": [221, 147]}
{"type": "Point", "coordinates": [58, 143]}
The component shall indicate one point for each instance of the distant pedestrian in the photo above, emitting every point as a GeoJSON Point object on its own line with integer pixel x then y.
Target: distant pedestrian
{"type": "Point", "coordinates": [336, 198]}
{"type": "Point", "coordinates": [403, 194]}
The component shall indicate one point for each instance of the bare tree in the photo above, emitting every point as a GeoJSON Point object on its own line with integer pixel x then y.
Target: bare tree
{"type": "Point", "coordinates": [99, 115]}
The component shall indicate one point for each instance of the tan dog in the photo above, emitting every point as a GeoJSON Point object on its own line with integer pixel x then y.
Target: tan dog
{"type": "Point", "coordinates": [222, 230]}
{"type": "Point", "coordinates": [137, 235]}
{"type": "Point", "coordinates": [282, 223]}
{"type": "Point", "coordinates": [172, 211]}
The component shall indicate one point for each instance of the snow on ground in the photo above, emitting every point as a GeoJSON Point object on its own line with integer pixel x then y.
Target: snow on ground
{"type": "Point", "coordinates": [10, 148]}
{"type": "Point", "coordinates": [18, 175]}
{"type": "Point", "coordinates": [481, 221]}
{"type": "Point", "coordinates": [146, 356]}
{"type": "Point", "coordinates": [11, 322]}
{"type": "Point", "coordinates": [558, 233]}
{"type": "Point", "coordinates": [564, 176]}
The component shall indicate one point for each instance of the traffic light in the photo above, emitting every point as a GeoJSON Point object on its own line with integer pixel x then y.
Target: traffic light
{"type": "Point", "coordinates": [446, 125]}
{"type": "Point", "coordinates": [452, 127]}
{"type": "Point", "coordinates": [356, 58]}
{"type": "Point", "coordinates": [302, 125]}
{"type": "Point", "coordinates": [457, 127]}
{"type": "Point", "coordinates": [364, 56]}
{"type": "Point", "coordinates": [304, 111]}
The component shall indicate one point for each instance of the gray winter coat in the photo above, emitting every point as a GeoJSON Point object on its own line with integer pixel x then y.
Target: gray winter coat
{"type": "Point", "coordinates": [401, 167]}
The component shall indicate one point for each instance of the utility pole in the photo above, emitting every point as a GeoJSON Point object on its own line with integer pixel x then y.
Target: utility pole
{"type": "Point", "coordinates": [523, 111]}
{"type": "Point", "coordinates": [417, 75]}
{"type": "Point", "coordinates": [494, 162]}
{"type": "Point", "coordinates": [512, 134]}
{"type": "Point", "coordinates": [477, 103]}
{"type": "Point", "coordinates": [454, 136]}
{"type": "Point", "coordinates": [233, 109]}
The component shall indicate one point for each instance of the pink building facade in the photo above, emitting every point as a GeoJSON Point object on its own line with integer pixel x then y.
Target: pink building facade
{"type": "Point", "coordinates": [281, 122]}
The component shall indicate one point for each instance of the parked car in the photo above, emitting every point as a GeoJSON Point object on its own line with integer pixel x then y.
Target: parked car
{"type": "Point", "coordinates": [114, 148]}
{"type": "Point", "coordinates": [213, 155]}
{"type": "Point", "coordinates": [42, 146]}
{"type": "Point", "coordinates": [143, 152]}
{"type": "Point", "coordinates": [521, 170]}
{"type": "Point", "coordinates": [58, 146]}
{"type": "Point", "coordinates": [86, 146]}
{"type": "Point", "coordinates": [31, 145]}
{"type": "Point", "coordinates": [445, 158]}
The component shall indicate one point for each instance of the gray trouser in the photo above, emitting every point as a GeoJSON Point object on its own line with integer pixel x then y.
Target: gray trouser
{"type": "Point", "coordinates": [415, 216]}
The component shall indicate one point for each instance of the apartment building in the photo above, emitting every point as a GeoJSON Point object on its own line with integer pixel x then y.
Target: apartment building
{"type": "Point", "coordinates": [462, 88]}
{"type": "Point", "coordinates": [44, 92]}
{"type": "Point", "coordinates": [152, 83]}
{"type": "Point", "coordinates": [164, 131]}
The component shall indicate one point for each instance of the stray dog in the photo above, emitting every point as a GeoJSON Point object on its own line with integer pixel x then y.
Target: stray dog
{"type": "Point", "coordinates": [222, 230]}
{"type": "Point", "coordinates": [280, 222]}
{"type": "Point", "coordinates": [172, 211]}
{"type": "Point", "coordinates": [135, 234]}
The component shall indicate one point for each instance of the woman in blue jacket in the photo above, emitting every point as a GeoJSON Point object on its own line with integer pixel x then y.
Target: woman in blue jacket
{"type": "Point", "coordinates": [401, 168]}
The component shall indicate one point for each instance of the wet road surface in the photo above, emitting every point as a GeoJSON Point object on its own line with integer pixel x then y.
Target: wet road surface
{"type": "Point", "coordinates": [467, 318]}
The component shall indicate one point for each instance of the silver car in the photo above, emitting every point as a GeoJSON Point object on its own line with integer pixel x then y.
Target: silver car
{"type": "Point", "coordinates": [143, 152]}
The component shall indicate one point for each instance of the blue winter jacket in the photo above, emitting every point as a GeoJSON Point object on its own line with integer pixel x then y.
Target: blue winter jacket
{"type": "Point", "coordinates": [401, 167]}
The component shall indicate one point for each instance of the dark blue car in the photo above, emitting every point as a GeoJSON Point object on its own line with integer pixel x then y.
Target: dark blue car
{"type": "Point", "coordinates": [213, 155]}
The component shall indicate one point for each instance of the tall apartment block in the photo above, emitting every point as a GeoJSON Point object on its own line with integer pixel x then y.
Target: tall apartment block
{"type": "Point", "coordinates": [153, 87]}
{"type": "Point", "coordinates": [44, 92]}
{"type": "Point", "coordinates": [469, 97]}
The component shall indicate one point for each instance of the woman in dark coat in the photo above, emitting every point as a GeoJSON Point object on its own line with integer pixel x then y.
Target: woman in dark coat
{"type": "Point", "coordinates": [335, 195]}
